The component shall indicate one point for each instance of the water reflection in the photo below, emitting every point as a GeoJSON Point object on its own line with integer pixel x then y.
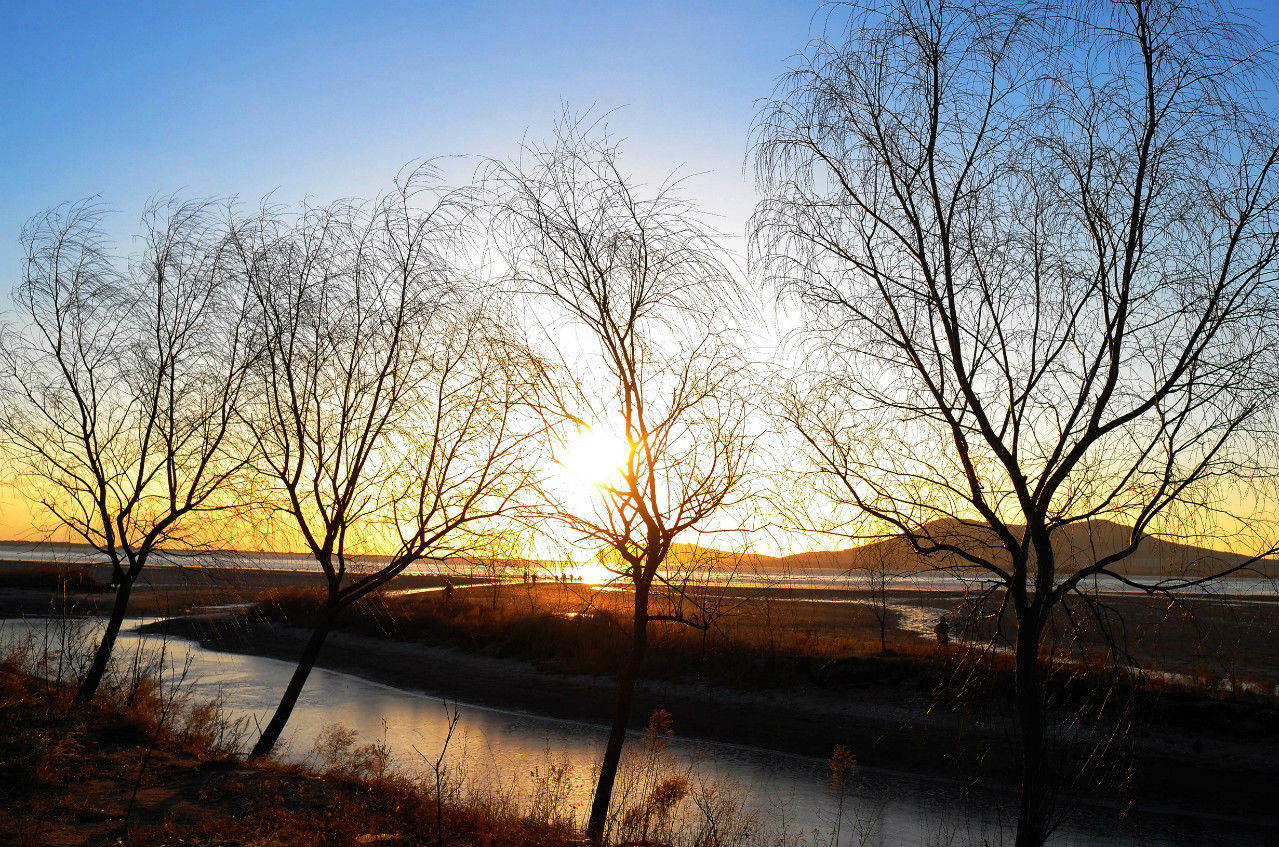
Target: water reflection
{"type": "Point", "coordinates": [508, 749]}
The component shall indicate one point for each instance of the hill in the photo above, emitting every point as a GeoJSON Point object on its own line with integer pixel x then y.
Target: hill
{"type": "Point", "coordinates": [1075, 546]}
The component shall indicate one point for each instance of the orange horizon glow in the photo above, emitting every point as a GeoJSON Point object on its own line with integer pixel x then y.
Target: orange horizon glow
{"type": "Point", "coordinates": [585, 463]}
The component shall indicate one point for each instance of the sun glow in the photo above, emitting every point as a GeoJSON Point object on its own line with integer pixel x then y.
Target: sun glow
{"type": "Point", "coordinates": [592, 573]}
{"type": "Point", "coordinates": [586, 463]}
{"type": "Point", "coordinates": [593, 458]}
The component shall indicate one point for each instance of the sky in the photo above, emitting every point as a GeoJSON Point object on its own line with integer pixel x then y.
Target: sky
{"type": "Point", "coordinates": [127, 101]}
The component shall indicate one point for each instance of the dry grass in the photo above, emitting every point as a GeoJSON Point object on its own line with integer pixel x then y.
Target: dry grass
{"type": "Point", "coordinates": [579, 629]}
{"type": "Point", "coordinates": [1223, 644]}
{"type": "Point", "coordinates": [136, 768]}
{"type": "Point", "coordinates": [56, 576]}
{"type": "Point", "coordinates": [772, 642]}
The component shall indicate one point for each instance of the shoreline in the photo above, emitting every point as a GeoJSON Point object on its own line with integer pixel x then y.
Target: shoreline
{"type": "Point", "coordinates": [889, 720]}
{"type": "Point", "coordinates": [884, 731]}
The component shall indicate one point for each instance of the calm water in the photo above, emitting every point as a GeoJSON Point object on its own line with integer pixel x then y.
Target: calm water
{"type": "Point", "coordinates": [816, 578]}
{"type": "Point", "coordinates": [490, 747]}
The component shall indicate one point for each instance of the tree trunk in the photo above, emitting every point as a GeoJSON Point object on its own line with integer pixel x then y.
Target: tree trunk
{"type": "Point", "coordinates": [1033, 799]}
{"type": "Point", "coordinates": [626, 679]}
{"type": "Point", "coordinates": [93, 679]}
{"type": "Point", "coordinates": [275, 728]}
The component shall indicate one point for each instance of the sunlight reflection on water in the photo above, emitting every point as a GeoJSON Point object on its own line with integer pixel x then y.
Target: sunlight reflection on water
{"type": "Point", "coordinates": [494, 747]}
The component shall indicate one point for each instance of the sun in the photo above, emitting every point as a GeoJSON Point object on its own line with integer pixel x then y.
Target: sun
{"type": "Point", "coordinates": [592, 458]}
{"type": "Point", "coordinates": [586, 462]}
{"type": "Point", "coordinates": [592, 573]}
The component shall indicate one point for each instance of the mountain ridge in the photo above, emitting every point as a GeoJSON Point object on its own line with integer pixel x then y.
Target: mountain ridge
{"type": "Point", "coordinates": [1075, 546]}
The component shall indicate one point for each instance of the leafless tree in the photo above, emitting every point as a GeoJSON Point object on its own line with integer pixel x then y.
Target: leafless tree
{"type": "Point", "coordinates": [121, 384]}
{"type": "Point", "coordinates": [386, 403]}
{"type": "Point", "coordinates": [807, 498]}
{"type": "Point", "coordinates": [638, 286]}
{"type": "Point", "coordinates": [1031, 246]}
{"type": "Point", "coordinates": [875, 573]}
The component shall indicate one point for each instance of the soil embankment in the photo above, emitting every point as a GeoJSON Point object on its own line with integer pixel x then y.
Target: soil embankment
{"type": "Point", "coordinates": [133, 768]}
{"type": "Point", "coordinates": [1211, 772]}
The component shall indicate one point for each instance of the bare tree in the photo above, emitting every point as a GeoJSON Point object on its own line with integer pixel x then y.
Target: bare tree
{"type": "Point", "coordinates": [121, 383]}
{"type": "Point", "coordinates": [1031, 248]}
{"type": "Point", "coordinates": [806, 497]}
{"type": "Point", "coordinates": [386, 408]}
{"type": "Point", "coordinates": [638, 282]}
{"type": "Point", "coordinates": [875, 573]}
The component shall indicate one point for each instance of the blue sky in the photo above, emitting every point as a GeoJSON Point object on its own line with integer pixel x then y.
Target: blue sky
{"type": "Point", "coordinates": [127, 100]}
{"type": "Point", "coordinates": [326, 99]}
{"type": "Point", "coordinates": [330, 99]}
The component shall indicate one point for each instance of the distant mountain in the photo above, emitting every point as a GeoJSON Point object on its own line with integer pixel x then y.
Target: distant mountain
{"type": "Point", "coordinates": [1075, 546]}
{"type": "Point", "coordinates": [685, 554]}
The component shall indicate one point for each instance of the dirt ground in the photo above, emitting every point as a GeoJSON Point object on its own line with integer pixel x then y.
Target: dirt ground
{"type": "Point", "coordinates": [133, 771]}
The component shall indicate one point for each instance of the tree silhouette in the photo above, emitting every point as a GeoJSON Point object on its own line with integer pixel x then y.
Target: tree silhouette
{"type": "Point", "coordinates": [641, 286]}
{"type": "Point", "coordinates": [1031, 248]}
{"type": "Point", "coordinates": [121, 384]}
{"type": "Point", "coordinates": [385, 409]}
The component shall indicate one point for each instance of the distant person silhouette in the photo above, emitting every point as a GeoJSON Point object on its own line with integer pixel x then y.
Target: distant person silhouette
{"type": "Point", "coordinates": [942, 631]}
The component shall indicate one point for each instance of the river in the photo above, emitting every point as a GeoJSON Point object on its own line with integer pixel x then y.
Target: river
{"type": "Point", "coordinates": [511, 753]}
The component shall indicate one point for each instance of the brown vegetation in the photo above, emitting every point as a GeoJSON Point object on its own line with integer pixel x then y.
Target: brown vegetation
{"type": "Point", "coordinates": [568, 628]}
{"type": "Point", "coordinates": [782, 639]}
{"type": "Point", "coordinates": [55, 576]}
{"type": "Point", "coordinates": [133, 770]}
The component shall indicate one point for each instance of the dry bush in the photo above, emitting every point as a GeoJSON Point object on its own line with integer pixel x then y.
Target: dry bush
{"type": "Point", "coordinates": [659, 800]}
{"type": "Point", "coordinates": [551, 792]}
{"type": "Point", "coordinates": [336, 753]}
{"type": "Point", "coordinates": [61, 651]}
{"type": "Point", "coordinates": [655, 812]}
{"type": "Point", "coordinates": [723, 819]}
{"type": "Point", "coordinates": [211, 735]}
{"type": "Point", "coordinates": [59, 577]}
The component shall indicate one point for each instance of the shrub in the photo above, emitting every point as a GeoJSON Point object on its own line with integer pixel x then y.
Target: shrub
{"type": "Point", "coordinates": [59, 576]}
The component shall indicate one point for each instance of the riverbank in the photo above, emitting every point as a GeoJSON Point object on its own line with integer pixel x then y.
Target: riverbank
{"type": "Point", "coordinates": [548, 649]}
{"type": "Point", "coordinates": [1155, 768]}
{"type": "Point", "coordinates": [136, 768]}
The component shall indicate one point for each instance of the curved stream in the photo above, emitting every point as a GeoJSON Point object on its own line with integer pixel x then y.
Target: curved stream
{"type": "Point", "coordinates": [510, 752]}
